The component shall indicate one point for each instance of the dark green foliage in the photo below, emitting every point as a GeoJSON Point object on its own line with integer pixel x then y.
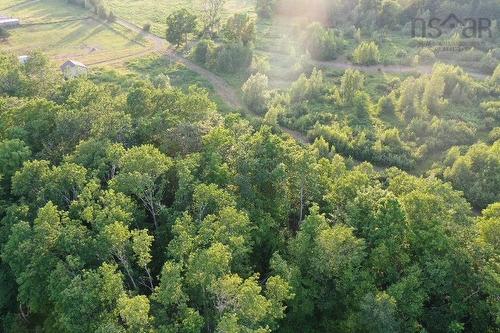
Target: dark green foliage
{"type": "Point", "coordinates": [180, 24]}
{"type": "Point", "coordinates": [476, 173]}
{"type": "Point", "coordinates": [231, 58]}
{"type": "Point", "coordinates": [265, 8]}
{"type": "Point", "coordinates": [203, 51]}
{"type": "Point", "coordinates": [132, 207]}
{"type": "Point", "coordinates": [239, 28]}
{"type": "Point", "coordinates": [4, 33]}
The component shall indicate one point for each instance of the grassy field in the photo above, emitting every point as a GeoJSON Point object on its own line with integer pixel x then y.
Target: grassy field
{"type": "Point", "coordinates": [8, 3]}
{"type": "Point", "coordinates": [156, 11]}
{"type": "Point", "coordinates": [65, 31]}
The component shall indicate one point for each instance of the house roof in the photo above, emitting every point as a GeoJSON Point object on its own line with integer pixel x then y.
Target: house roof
{"type": "Point", "coordinates": [4, 20]}
{"type": "Point", "coordinates": [72, 63]}
{"type": "Point", "coordinates": [23, 58]}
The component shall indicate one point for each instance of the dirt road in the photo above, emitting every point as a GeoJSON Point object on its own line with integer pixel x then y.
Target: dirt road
{"type": "Point", "coordinates": [226, 92]}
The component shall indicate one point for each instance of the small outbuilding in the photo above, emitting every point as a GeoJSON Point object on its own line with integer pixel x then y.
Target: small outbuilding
{"type": "Point", "coordinates": [23, 59]}
{"type": "Point", "coordinates": [73, 68]}
{"type": "Point", "coordinates": [9, 22]}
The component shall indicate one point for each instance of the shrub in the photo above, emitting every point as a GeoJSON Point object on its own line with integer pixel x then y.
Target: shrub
{"type": "Point", "coordinates": [321, 43]}
{"type": "Point", "coordinates": [265, 8]}
{"type": "Point", "coordinates": [471, 55]}
{"type": "Point", "coordinates": [495, 78]}
{"type": "Point", "coordinates": [494, 134]}
{"type": "Point", "coordinates": [111, 17]}
{"type": "Point", "coordinates": [488, 63]}
{"type": "Point", "coordinates": [202, 51]}
{"type": "Point", "coordinates": [101, 12]}
{"type": "Point", "coordinates": [146, 27]}
{"type": "Point", "coordinates": [367, 54]}
{"type": "Point", "coordinates": [231, 58]}
{"type": "Point", "coordinates": [4, 34]}
{"type": "Point", "coordinates": [239, 28]}
{"type": "Point", "coordinates": [260, 64]}
{"type": "Point", "coordinates": [386, 106]}
{"type": "Point", "coordinates": [426, 56]}
{"type": "Point", "coordinates": [361, 105]}
{"type": "Point", "coordinates": [401, 53]}
{"type": "Point", "coordinates": [180, 24]}
{"type": "Point", "coordinates": [255, 93]}
{"type": "Point", "coordinates": [307, 88]}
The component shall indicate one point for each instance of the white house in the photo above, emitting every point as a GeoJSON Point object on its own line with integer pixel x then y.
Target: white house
{"type": "Point", "coordinates": [73, 68]}
{"type": "Point", "coordinates": [23, 59]}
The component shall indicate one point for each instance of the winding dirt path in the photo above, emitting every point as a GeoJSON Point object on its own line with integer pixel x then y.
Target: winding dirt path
{"type": "Point", "coordinates": [222, 88]}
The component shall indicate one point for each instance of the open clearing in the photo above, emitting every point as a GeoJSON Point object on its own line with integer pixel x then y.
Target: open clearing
{"type": "Point", "coordinates": [65, 31]}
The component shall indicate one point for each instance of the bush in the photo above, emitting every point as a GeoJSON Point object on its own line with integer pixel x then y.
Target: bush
{"type": "Point", "coordinates": [231, 58]}
{"type": "Point", "coordinates": [401, 53]}
{"type": "Point", "coordinates": [366, 54]}
{"type": "Point", "coordinates": [265, 8]}
{"type": "Point", "coordinates": [321, 43]}
{"type": "Point", "coordinates": [111, 17]}
{"type": "Point", "coordinates": [239, 28]}
{"type": "Point", "coordinates": [255, 93]}
{"type": "Point", "coordinates": [386, 106]}
{"type": "Point", "coordinates": [146, 27]}
{"type": "Point", "coordinates": [260, 64]}
{"type": "Point", "coordinates": [307, 88]}
{"type": "Point", "coordinates": [488, 63]}
{"type": "Point", "coordinates": [495, 78]}
{"type": "Point", "coordinates": [426, 56]}
{"type": "Point", "coordinates": [4, 34]}
{"type": "Point", "coordinates": [101, 12]}
{"type": "Point", "coordinates": [202, 51]}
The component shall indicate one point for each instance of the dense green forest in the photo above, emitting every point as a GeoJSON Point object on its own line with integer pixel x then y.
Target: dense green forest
{"type": "Point", "coordinates": [138, 201]}
{"type": "Point", "coordinates": [129, 206]}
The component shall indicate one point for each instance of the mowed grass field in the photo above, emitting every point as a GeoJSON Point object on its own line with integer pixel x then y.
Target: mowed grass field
{"type": "Point", "coordinates": [64, 31]}
{"type": "Point", "coordinates": [155, 12]}
{"type": "Point", "coordinates": [7, 3]}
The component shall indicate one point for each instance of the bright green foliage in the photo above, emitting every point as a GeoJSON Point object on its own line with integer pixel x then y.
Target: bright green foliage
{"type": "Point", "coordinates": [131, 206]}
{"type": "Point", "coordinates": [142, 174]}
{"type": "Point", "coordinates": [37, 182]}
{"type": "Point", "coordinates": [489, 226]}
{"type": "Point", "coordinates": [179, 25]}
{"type": "Point", "coordinates": [12, 155]}
{"type": "Point", "coordinates": [255, 93]}
{"type": "Point", "coordinates": [36, 77]}
{"type": "Point", "coordinates": [495, 78]}
{"type": "Point", "coordinates": [386, 106]}
{"type": "Point", "coordinates": [321, 43]}
{"type": "Point", "coordinates": [135, 313]}
{"type": "Point", "coordinates": [89, 301]}
{"type": "Point", "coordinates": [476, 173]}
{"type": "Point", "coordinates": [307, 88]}
{"type": "Point", "coordinates": [352, 82]}
{"type": "Point", "coordinates": [366, 54]}
{"type": "Point", "coordinates": [239, 28]}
